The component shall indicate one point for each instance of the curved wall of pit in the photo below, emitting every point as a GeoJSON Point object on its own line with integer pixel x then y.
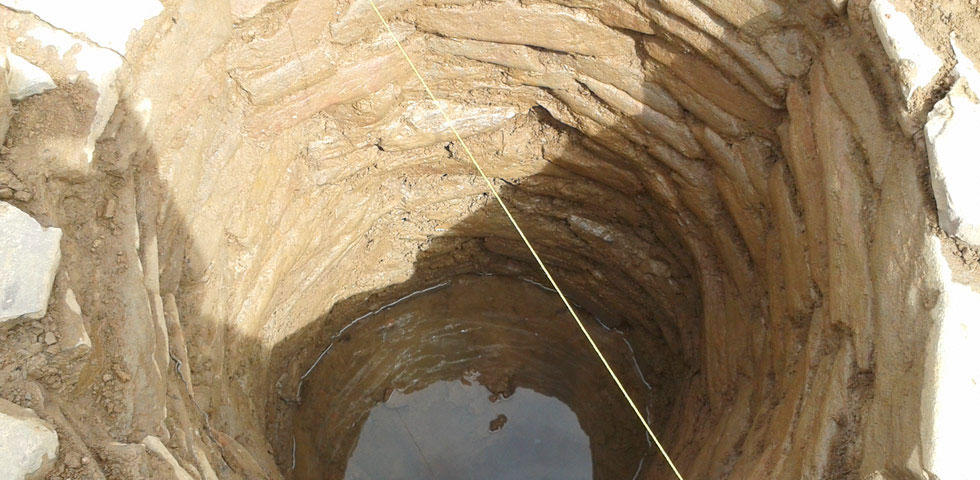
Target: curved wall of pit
{"type": "Point", "coordinates": [740, 188]}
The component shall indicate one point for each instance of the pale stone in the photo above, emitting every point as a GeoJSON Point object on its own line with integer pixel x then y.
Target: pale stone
{"type": "Point", "coordinates": [72, 302]}
{"type": "Point", "coordinates": [752, 16]}
{"type": "Point", "coordinates": [28, 445]}
{"type": "Point", "coordinates": [73, 332]}
{"type": "Point", "coordinates": [954, 156]}
{"type": "Point", "coordinates": [29, 256]}
{"type": "Point", "coordinates": [676, 134]}
{"type": "Point", "coordinates": [100, 65]}
{"type": "Point", "coordinates": [423, 124]}
{"type": "Point", "coordinates": [551, 28]}
{"type": "Point", "coordinates": [238, 457]}
{"type": "Point", "coordinates": [951, 391]}
{"type": "Point", "coordinates": [6, 109]}
{"type": "Point", "coordinates": [25, 79]}
{"type": "Point", "coordinates": [105, 22]}
{"type": "Point", "coordinates": [917, 63]}
{"type": "Point", "coordinates": [165, 459]}
{"type": "Point", "coordinates": [787, 51]}
{"type": "Point", "coordinates": [207, 471]}
{"type": "Point", "coordinates": [839, 6]}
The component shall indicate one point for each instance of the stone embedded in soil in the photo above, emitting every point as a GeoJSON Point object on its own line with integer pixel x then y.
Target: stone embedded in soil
{"type": "Point", "coordinates": [548, 27]}
{"type": "Point", "coordinates": [29, 256]}
{"type": "Point", "coordinates": [28, 445]}
{"type": "Point", "coordinates": [163, 459]}
{"type": "Point", "coordinates": [74, 336]}
{"type": "Point", "coordinates": [952, 143]}
{"type": "Point", "coordinates": [98, 65]}
{"type": "Point", "coordinates": [917, 63]}
{"type": "Point", "coordinates": [423, 124]}
{"type": "Point", "coordinates": [25, 79]}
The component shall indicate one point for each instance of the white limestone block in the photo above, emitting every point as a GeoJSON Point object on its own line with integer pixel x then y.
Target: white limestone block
{"type": "Point", "coordinates": [954, 155]}
{"type": "Point", "coordinates": [100, 66]}
{"type": "Point", "coordinates": [24, 78]}
{"type": "Point", "coordinates": [951, 393]}
{"type": "Point", "coordinates": [28, 445]}
{"type": "Point", "coordinates": [29, 257]}
{"type": "Point", "coordinates": [918, 65]}
{"type": "Point", "coordinates": [106, 22]}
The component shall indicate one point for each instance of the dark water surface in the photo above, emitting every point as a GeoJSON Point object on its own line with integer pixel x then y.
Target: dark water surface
{"type": "Point", "coordinates": [452, 431]}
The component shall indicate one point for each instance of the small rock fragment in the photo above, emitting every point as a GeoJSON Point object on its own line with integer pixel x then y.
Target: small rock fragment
{"type": "Point", "coordinates": [30, 255]}
{"type": "Point", "coordinates": [110, 208]}
{"type": "Point", "coordinates": [72, 302]}
{"type": "Point", "coordinates": [50, 339]}
{"type": "Point", "coordinates": [74, 336]}
{"type": "Point", "coordinates": [498, 423]}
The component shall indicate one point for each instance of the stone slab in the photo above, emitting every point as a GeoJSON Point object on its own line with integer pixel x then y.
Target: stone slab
{"type": "Point", "coordinates": [29, 257]}
{"type": "Point", "coordinates": [917, 64]}
{"type": "Point", "coordinates": [954, 155]}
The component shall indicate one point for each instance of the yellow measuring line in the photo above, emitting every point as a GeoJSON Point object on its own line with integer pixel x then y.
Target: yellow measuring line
{"type": "Point", "coordinates": [527, 242]}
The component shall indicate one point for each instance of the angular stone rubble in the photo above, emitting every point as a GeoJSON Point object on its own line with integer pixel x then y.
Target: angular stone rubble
{"type": "Point", "coordinates": [29, 257]}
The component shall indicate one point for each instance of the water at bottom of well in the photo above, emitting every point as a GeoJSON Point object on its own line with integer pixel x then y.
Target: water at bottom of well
{"type": "Point", "coordinates": [452, 430]}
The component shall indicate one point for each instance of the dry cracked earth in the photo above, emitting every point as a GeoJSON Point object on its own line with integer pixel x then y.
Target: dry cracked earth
{"type": "Point", "coordinates": [229, 228]}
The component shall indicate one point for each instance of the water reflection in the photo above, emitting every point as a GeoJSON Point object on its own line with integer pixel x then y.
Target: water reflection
{"type": "Point", "coordinates": [452, 430]}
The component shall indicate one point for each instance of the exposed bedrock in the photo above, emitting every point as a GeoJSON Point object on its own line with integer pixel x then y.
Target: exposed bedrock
{"type": "Point", "coordinates": [763, 209]}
